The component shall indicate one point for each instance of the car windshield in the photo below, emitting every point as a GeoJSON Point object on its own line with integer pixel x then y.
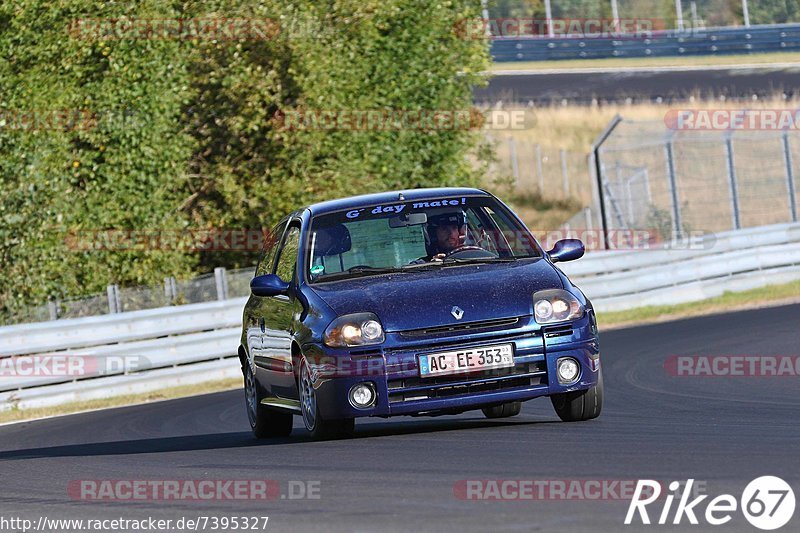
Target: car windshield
{"type": "Point", "coordinates": [412, 235]}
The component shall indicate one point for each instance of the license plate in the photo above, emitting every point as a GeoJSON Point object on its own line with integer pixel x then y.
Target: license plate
{"type": "Point", "coordinates": [466, 360]}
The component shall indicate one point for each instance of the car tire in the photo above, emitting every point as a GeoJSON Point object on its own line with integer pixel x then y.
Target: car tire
{"type": "Point", "coordinates": [502, 411]}
{"type": "Point", "coordinates": [319, 428]}
{"type": "Point", "coordinates": [264, 422]}
{"type": "Point", "coordinates": [579, 405]}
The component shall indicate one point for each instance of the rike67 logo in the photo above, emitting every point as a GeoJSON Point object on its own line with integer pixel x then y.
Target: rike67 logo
{"type": "Point", "coordinates": [767, 503]}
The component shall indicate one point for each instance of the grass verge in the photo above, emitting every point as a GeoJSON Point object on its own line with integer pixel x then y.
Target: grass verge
{"type": "Point", "coordinates": [769, 296]}
{"type": "Point", "coordinates": [183, 391]}
{"type": "Point", "coordinates": [642, 62]}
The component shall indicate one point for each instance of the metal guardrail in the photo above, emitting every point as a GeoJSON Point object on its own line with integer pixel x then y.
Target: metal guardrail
{"type": "Point", "coordinates": [738, 260]}
{"type": "Point", "coordinates": [184, 340]}
{"type": "Point", "coordinates": [709, 41]}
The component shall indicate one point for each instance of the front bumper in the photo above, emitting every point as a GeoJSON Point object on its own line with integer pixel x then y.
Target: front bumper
{"type": "Point", "coordinates": [393, 371]}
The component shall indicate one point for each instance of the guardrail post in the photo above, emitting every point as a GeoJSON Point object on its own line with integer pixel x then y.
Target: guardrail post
{"type": "Point", "coordinates": [732, 181]}
{"type": "Point", "coordinates": [170, 288]}
{"type": "Point", "coordinates": [222, 283]}
{"type": "Point", "coordinates": [113, 299]}
{"type": "Point", "coordinates": [787, 156]}
{"type": "Point", "coordinates": [677, 223]}
{"type": "Point", "coordinates": [52, 308]}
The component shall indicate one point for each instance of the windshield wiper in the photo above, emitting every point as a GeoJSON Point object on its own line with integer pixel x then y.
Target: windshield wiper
{"type": "Point", "coordinates": [357, 272]}
{"type": "Point", "coordinates": [481, 260]}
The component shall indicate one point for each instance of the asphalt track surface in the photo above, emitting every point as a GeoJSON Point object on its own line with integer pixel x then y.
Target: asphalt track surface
{"type": "Point", "coordinates": [639, 85]}
{"type": "Point", "coordinates": [399, 474]}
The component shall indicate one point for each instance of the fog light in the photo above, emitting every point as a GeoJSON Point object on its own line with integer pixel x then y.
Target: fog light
{"type": "Point", "coordinates": [568, 370]}
{"type": "Point", "coordinates": [362, 395]}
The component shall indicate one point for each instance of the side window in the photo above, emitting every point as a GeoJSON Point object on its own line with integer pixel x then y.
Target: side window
{"type": "Point", "coordinates": [271, 242]}
{"type": "Point", "coordinates": [288, 254]}
{"type": "Point", "coordinates": [508, 238]}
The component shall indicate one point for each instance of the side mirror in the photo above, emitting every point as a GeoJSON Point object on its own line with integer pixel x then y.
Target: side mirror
{"type": "Point", "coordinates": [268, 285]}
{"type": "Point", "coordinates": [566, 250]}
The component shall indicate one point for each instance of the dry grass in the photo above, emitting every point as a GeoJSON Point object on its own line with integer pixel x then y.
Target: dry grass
{"type": "Point", "coordinates": [574, 128]}
{"type": "Point", "coordinates": [640, 62]}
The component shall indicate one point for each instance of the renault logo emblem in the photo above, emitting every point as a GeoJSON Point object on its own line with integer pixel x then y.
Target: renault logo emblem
{"type": "Point", "coordinates": [457, 312]}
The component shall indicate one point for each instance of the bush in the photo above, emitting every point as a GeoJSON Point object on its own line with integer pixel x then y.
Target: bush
{"type": "Point", "coordinates": [183, 134]}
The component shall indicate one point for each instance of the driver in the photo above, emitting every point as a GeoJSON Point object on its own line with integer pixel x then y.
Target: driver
{"type": "Point", "coordinates": [446, 232]}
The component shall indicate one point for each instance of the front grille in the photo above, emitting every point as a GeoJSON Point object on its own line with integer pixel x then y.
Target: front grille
{"type": "Point", "coordinates": [467, 326]}
{"type": "Point", "coordinates": [416, 388]}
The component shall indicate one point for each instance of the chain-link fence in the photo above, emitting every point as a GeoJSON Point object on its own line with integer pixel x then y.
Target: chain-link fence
{"type": "Point", "coordinates": [677, 182]}
{"type": "Point", "coordinates": [553, 173]}
{"type": "Point", "coordinates": [220, 285]}
{"type": "Point", "coordinates": [674, 14]}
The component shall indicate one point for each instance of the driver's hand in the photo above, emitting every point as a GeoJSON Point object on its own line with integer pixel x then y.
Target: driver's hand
{"type": "Point", "coordinates": [438, 257]}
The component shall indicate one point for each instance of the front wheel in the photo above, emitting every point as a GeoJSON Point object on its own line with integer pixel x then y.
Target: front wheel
{"type": "Point", "coordinates": [264, 422]}
{"type": "Point", "coordinates": [319, 428]}
{"type": "Point", "coordinates": [579, 405]}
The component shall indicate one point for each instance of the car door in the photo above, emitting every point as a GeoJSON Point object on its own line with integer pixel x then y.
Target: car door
{"type": "Point", "coordinates": [275, 316]}
{"type": "Point", "coordinates": [254, 324]}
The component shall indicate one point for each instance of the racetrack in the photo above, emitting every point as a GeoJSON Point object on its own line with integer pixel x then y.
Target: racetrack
{"type": "Point", "coordinates": [399, 474]}
{"type": "Point", "coordinates": [638, 85]}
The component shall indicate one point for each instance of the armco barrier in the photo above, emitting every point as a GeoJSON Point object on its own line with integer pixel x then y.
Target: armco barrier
{"type": "Point", "coordinates": [731, 261]}
{"type": "Point", "coordinates": [706, 41]}
{"type": "Point", "coordinates": [194, 343]}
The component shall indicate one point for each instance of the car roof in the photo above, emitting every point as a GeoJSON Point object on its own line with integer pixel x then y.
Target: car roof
{"type": "Point", "coordinates": [392, 197]}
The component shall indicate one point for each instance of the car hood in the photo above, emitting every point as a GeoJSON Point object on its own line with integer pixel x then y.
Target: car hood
{"type": "Point", "coordinates": [426, 299]}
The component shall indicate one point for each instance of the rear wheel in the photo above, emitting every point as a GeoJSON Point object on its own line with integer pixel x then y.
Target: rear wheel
{"type": "Point", "coordinates": [264, 422]}
{"type": "Point", "coordinates": [580, 405]}
{"type": "Point", "coordinates": [503, 411]}
{"type": "Point", "coordinates": [320, 428]}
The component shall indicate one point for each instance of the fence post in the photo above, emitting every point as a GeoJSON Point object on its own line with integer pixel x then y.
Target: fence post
{"type": "Point", "coordinates": [512, 150]}
{"type": "Point", "coordinates": [222, 283]}
{"type": "Point", "coordinates": [677, 223]}
{"type": "Point", "coordinates": [112, 291]}
{"type": "Point", "coordinates": [787, 156]}
{"type": "Point", "coordinates": [598, 174]}
{"type": "Point", "coordinates": [564, 173]}
{"type": "Point", "coordinates": [539, 168]}
{"type": "Point", "coordinates": [732, 180]}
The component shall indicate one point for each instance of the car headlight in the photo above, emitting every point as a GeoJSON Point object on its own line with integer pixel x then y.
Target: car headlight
{"type": "Point", "coordinates": [358, 329]}
{"type": "Point", "coordinates": [556, 305]}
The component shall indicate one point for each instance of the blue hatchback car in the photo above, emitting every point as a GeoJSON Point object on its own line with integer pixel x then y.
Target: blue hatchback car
{"type": "Point", "coordinates": [420, 302]}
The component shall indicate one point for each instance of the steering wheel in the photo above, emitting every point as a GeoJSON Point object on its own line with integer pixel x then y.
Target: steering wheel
{"type": "Point", "coordinates": [468, 252]}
